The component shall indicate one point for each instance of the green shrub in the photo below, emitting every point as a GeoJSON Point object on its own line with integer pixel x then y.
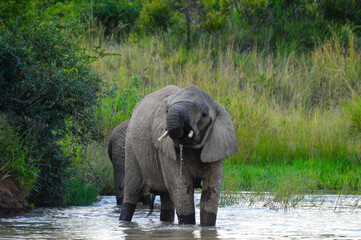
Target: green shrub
{"type": "Point", "coordinates": [156, 15]}
{"type": "Point", "coordinates": [342, 11]}
{"type": "Point", "coordinates": [115, 16]}
{"type": "Point", "coordinates": [215, 16]}
{"type": "Point", "coordinates": [19, 9]}
{"type": "Point", "coordinates": [45, 80]}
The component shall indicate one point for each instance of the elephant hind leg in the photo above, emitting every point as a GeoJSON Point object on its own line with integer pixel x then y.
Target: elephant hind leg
{"type": "Point", "coordinates": [116, 151]}
{"type": "Point", "coordinates": [133, 185]}
{"type": "Point", "coordinates": [132, 195]}
{"type": "Point", "coordinates": [167, 208]}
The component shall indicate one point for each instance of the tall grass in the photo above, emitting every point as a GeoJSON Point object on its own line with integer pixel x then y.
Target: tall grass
{"type": "Point", "coordinates": [296, 115]}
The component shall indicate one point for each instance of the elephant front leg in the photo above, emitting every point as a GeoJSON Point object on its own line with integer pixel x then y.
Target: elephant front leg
{"type": "Point", "coordinates": [212, 182]}
{"type": "Point", "coordinates": [181, 192]}
{"type": "Point", "coordinates": [184, 203]}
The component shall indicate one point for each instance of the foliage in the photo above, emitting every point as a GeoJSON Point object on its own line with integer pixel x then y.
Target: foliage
{"type": "Point", "coordinates": [216, 14]}
{"type": "Point", "coordinates": [90, 169]}
{"type": "Point", "coordinates": [156, 16]}
{"type": "Point", "coordinates": [28, 11]}
{"type": "Point", "coordinates": [14, 9]}
{"type": "Point", "coordinates": [118, 105]}
{"type": "Point", "coordinates": [81, 193]}
{"type": "Point", "coordinates": [15, 161]}
{"type": "Point", "coordinates": [45, 81]}
{"type": "Point", "coordinates": [342, 11]}
{"type": "Point", "coordinates": [271, 25]}
{"type": "Point", "coordinates": [117, 17]}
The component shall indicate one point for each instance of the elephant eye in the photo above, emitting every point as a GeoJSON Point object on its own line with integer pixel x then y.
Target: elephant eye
{"type": "Point", "coordinates": [204, 114]}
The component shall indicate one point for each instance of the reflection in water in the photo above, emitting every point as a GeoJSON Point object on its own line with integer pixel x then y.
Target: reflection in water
{"type": "Point", "coordinates": [100, 221]}
{"type": "Point", "coordinates": [169, 231]}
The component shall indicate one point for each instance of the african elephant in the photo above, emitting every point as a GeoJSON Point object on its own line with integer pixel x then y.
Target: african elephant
{"type": "Point", "coordinates": [116, 151]}
{"type": "Point", "coordinates": [176, 140]}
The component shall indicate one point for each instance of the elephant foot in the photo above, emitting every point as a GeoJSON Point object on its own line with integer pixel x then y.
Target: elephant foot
{"type": "Point", "coordinates": [187, 219]}
{"type": "Point", "coordinates": [208, 219]}
{"type": "Point", "coordinates": [127, 211]}
{"type": "Point", "coordinates": [167, 215]}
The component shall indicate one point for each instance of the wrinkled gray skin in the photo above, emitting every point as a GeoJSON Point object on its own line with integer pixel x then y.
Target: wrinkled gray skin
{"type": "Point", "coordinates": [116, 151]}
{"type": "Point", "coordinates": [157, 163]}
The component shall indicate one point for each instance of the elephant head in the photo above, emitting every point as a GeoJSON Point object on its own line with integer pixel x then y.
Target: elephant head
{"type": "Point", "coordinates": [193, 119]}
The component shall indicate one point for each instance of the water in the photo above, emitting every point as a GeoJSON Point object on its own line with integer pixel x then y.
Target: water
{"type": "Point", "coordinates": [181, 159]}
{"type": "Point", "coordinates": [100, 221]}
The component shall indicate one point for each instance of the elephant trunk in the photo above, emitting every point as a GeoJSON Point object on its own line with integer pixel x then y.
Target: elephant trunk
{"type": "Point", "coordinates": [177, 121]}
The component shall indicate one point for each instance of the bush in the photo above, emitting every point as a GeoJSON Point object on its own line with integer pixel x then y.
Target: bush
{"type": "Point", "coordinates": [157, 15]}
{"type": "Point", "coordinates": [19, 9]}
{"type": "Point", "coordinates": [215, 14]}
{"type": "Point", "coordinates": [45, 81]}
{"type": "Point", "coordinates": [342, 11]}
{"type": "Point", "coordinates": [115, 16]}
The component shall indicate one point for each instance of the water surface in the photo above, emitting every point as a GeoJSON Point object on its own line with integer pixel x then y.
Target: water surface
{"type": "Point", "coordinates": [333, 220]}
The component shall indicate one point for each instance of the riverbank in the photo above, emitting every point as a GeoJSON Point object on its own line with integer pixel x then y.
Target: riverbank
{"type": "Point", "coordinates": [12, 201]}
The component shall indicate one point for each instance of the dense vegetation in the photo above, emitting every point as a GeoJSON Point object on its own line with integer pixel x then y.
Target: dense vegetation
{"type": "Point", "coordinates": [287, 71]}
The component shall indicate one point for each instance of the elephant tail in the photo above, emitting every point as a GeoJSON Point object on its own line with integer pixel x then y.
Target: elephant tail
{"type": "Point", "coordinates": [110, 151]}
{"type": "Point", "coordinates": [151, 203]}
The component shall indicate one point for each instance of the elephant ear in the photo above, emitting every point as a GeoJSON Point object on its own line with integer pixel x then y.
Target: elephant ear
{"type": "Point", "coordinates": [159, 126]}
{"type": "Point", "coordinates": [221, 142]}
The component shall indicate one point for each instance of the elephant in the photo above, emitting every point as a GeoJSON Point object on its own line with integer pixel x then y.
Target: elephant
{"type": "Point", "coordinates": [175, 142]}
{"type": "Point", "coordinates": [116, 151]}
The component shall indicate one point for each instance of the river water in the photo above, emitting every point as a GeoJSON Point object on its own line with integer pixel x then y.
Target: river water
{"type": "Point", "coordinates": [336, 218]}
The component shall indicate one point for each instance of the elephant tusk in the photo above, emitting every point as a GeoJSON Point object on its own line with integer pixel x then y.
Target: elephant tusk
{"type": "Point", "coordinates": [190, 135]}
{"type": "Point", "coordinates": [165, 134]}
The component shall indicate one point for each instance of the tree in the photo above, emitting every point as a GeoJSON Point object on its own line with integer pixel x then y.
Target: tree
{"type": "Point", "coordinates": [47, 90]}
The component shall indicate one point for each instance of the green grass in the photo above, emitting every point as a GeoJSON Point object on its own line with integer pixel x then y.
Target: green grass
{"type": "Point", "coordinates": [289, 182]}
{"type": "Point", "coordinates": [81, 193]}
{"type": "Point", "coordinates": [303, 176]}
